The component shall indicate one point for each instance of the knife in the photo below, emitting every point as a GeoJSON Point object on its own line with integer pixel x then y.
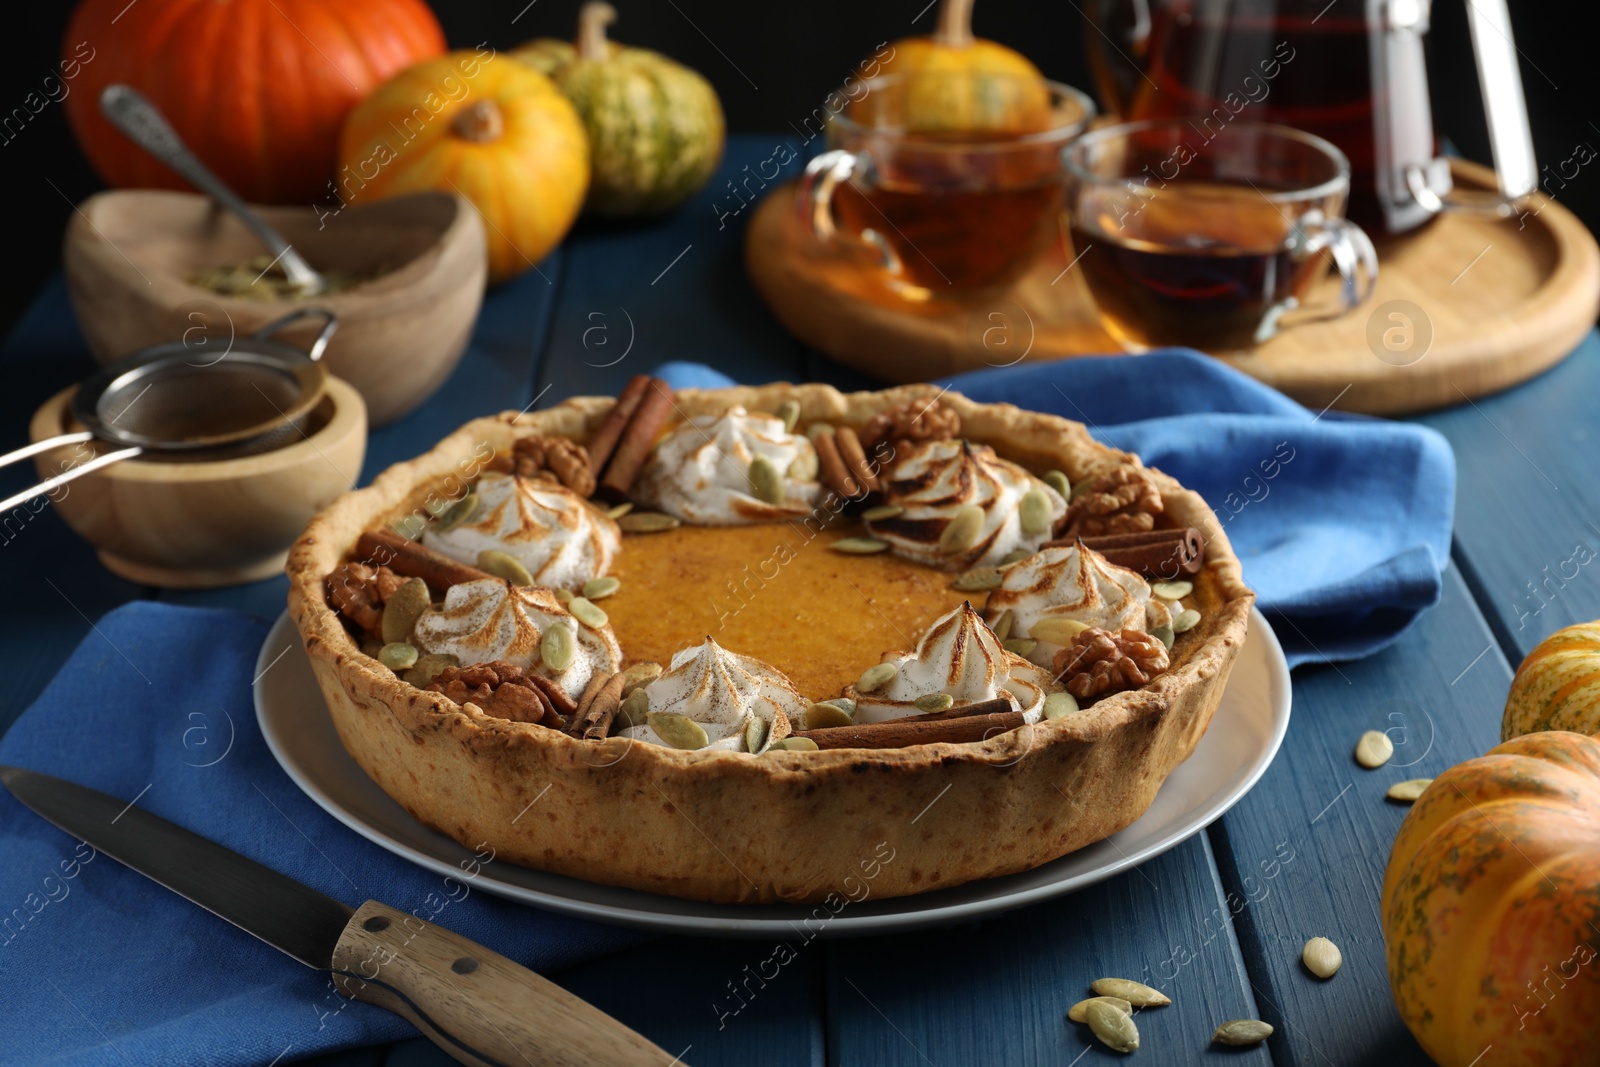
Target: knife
{"type": "Point", "coordinates": [475, 1004]}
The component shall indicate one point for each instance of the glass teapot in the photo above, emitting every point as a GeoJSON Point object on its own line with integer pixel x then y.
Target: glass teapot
{"type": "Point", "coordinates": [1352, 71]}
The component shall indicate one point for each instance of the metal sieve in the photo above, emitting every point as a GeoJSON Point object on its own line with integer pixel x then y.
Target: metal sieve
{"type": "Point", "coordinates": [254, 398]}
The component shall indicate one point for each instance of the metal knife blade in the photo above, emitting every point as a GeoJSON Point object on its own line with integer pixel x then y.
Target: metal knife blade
{"type": "Point", "coordinates": [292, 918]}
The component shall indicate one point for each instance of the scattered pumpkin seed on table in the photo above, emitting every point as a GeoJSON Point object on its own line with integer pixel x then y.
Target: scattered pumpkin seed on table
{"type": "Point", "coordinates": [398, 656]}
{"type": "Point", "coordinates": [1240, 1032]}
{"type": "Point", "coordinates": [876, 677]}
{"type": "Point", "coordinates": [1113, 1026]}
{"type": "Point", "coordinates": [1409, 790]}
{"type": "Point", "coordinates": [1321, 957]}
{"type": "Point", "coordinates": [1374, 749]}
{"type": "Point", "coordinates": [406, 605]}
{"type": "Point", "coordinates": [858, 546]}
{"type": "Point", "coordinates": [504, 565]}
{"type": "Point", "coordinates": [677, 730]}
{"type": "Point", "coordinates": [1136, 993]}
{"type": "Point", "coordinates": [1078, 1012]}
{"type": "Point", "coordinates": [588, 613]}
{"type": "Point", "coordinates": [600, 588]}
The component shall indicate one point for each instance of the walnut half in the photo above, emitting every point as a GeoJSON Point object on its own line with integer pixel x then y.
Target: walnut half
{"type": "Point", "coordinates": [500, 689]}
{"type": "Point", "coordinates": [1121, 499]}
{"type": "Point", "coordinates": [556, 459]}
{"type": "Point", "coordinates": [1100, 662]}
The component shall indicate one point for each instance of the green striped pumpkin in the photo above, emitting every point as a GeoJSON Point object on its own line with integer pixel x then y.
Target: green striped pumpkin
{"type": "Point", "coordinates": [655, 126]}
{"type": "Point", "coordinates": [1558, 685]}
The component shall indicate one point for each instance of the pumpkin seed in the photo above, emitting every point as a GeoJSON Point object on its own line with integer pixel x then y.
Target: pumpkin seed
{"type": "Point", "coordinates": [859, 546]}
{"type": "Point", "coordinates": [600, 588]}
{"type": "Point", "coordinates": [1136, 993]}
{"type": "Point", "coordinates": [934, 702]}
{"type": "Point", "coordinates": [1016, 555]}
{"type": "Point", "coordinates": [398, 656]}
{"type": "Point", "coordinates": [817, 429]}
{"type": "Point", "coordinates": [677, 730]}
{"type": "Point", "coordinates": [620, 510]}
{"type": "Point", "coordinates": [845, 704]}
{"type": "Point", "coordinates": [766, 483]}
{"type": "Point", "coordinates": [1172, 590]}
{"type": "Point", "coordinates": [962, 531]}
{"type": "Point", "coordinates": [1059, 705]}
{"type": "Point", "coordinates": [1321, 957]}
{"type": "Point", "coordinates": [804, 467]}
{"type": "Point", "coordinates": [457, 513]}
{"type": "Point", "coordinates": [824, 716]}
{"type": "Point", "coordinates": [789, 412]}
{"type": "Point", "coordinates": [755, 733]}
{"type": "Point", "coordinates": [556, 647]}
{"type": "Point", "coordinates": [634, 709]}
{"type": "Point", "coordinates": [406, 605]}
{"type": "Point", "coordinates": [1409, 790]}
{"type": "Point", "coordinates": [640, 674]}
{"type": "Point", "coordinates": [1113, 1026]}
{"type": "Point", "coordinates": [1082, 489]}
{"type": "Point", "coordinates": [585, 611]}
{"type": "Point", "coordinates": [427, 668]}
{"type": "Point", "coordinates": [409, 526]}
{"type": "Point", "coordinates": [1057, 630]}
{"type": "Point", "coordinates": [794, 744]}
{"type": "Point", "coordinates": [1059, 482]}
{"type": "Point", "coordinates": [437, 505]}
{"type": "Point", "coordinates": [876, 677]}
{"type": "Point", "coordinates": [1164, 634]}
{"type": "Point", "coordinates": [1077, 1013]}
{"type": "Point", "coordinates": [647, 522]}
{"type": "Point", "coordinates": [564, 595]}
{"type": "Point", "coordinates": [978, 579]}
{"type": "Point", "coordinates": [1022, 646]}
{"type": "Point", "coordinates": [1242, 1032]}
{"type": "Point", "coordinates": [1033, 512]}
{"type": "Point", "coordinates": [504, 565]}
{"type": "Point", "coordinates": [1187, 619]}
{"type": "Point", "coordinates": [881, 512]}
{"type": "Point", "coordinates": [1002, 626]}
{"type": "Point", "coordinates": [1374, 749]}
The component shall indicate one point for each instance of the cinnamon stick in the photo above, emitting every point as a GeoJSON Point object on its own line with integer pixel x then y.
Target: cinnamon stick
{"type": "Point", "coordinates": [605, 438]}
{"type": "Point", "coordinates": [382, 548]}
{"type": "Point", "coordinates": [597, 682]}
{"type": "Point", "coordinates": [916, 730]}
{"type": "Point", "coordinates": [595, 722]}
{"type": "Point", "coordinates": [1158, 554]}
{"type": "Point", "coordinates": [830, 463]}
{"type": "Point", "coordinates": [855, 457]}
{"type": "Point", "coordinates": [638, 438]}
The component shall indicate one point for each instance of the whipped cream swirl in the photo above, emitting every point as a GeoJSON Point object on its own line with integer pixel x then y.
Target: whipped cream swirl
{"type": "Point", "coordinates": [561, 538]}
{"type": "Point", "coordinates": [723, 692]}
{"type": "Point", "coordinates": [700, 472]}
{"type": "Point", "coordinates": [934, 480]}
{"type": "Point", "coordinates": [961, 656]}
{"type": "Point", "coordinates": [1076, 583]}
{"type": "Point", "coordinates": [491, 620]}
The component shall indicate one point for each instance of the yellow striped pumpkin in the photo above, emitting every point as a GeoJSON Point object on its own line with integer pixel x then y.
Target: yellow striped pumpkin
{"type": "Point", "coordinates": [1491, 907]}
{"type": "Point", "coordinates": [1558, 685]}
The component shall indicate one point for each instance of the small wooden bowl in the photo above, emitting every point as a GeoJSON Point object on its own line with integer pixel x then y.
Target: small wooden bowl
{"type": "Point", "coordinates": [196, 523]}
{"type": "Point", "coordinates": [129, 255]}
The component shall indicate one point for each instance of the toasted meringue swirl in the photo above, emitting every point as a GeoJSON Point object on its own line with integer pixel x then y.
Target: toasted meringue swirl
{"type": "Point", "coordinates": [561, 538]}
{"type": "Point", "coordinates": [961, 656]}
{"type": "Point", "coordinates": [932, 480]}
{"type": "Point", "coordinates": [1077, 583]}
{"type": "Point", "coordinates": [700, 472]}
{"type": "Point", "coordinates": [723, 691]}
{"type": "Point", "coordinates": [490, 620]}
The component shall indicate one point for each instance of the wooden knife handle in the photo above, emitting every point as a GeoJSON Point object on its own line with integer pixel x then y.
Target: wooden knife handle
{"type": "Point", "coordinates": [477, 1005]}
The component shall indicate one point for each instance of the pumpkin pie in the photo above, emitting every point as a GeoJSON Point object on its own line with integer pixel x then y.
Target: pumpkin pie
{"type": "Point", "coordinates": [729, 644]}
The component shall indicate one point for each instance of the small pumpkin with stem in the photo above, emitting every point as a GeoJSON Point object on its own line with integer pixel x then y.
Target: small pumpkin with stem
{"type": "Point", "coordinates": [1558, 685]}
{"type": "Point", "coordinates": [655, 127]}
{"type": "Point", "coordinates": [957, 82]}
{"type": "Point", "coordinates": [494, 131]}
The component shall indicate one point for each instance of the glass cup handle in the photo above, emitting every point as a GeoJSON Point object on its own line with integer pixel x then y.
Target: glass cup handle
{"type": "Point", "coordinates": [1354, 258]}
{"type": "Point", "coordinates": [814, 200]}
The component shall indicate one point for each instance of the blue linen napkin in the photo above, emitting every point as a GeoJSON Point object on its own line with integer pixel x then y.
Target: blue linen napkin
{"type": "Point", "coordinates": [1342, 522]}
{"type": "Point", "coordinates": [99, 965]}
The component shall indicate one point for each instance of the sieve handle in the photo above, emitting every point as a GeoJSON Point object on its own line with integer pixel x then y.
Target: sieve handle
{"type": "Point", "coordinates": [50, 485]}
{"type": "Point", "coordinates": [320, 345]}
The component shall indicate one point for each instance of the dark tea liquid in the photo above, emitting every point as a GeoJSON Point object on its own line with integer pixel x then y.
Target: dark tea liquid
{"type": "Point", "coordinates": [1177, 274]}
{"type": "Point", "coordinates": [959, 221]}
{"type": "Point", "coordinates": [1303, 65]}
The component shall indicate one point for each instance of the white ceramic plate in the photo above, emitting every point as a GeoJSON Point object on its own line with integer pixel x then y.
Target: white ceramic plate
{"type": "Point", "coordinates": [1243, 737]}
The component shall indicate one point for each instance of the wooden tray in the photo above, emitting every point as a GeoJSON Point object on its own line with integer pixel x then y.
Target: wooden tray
{"type": "Point", "coordinates": [1505, 299]}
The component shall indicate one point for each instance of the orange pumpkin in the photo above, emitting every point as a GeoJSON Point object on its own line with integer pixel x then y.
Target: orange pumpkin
{"type": "Point", "coordinates": [1491, 907]}
{"type": "Point", "coordinates": [958, 82]}
{"type": "Point", "coordinates": [1558, 685]}
{"type": "Point", "coordinates": [258, 88]}
{"type": "Point", "coordinates": [488, 127]}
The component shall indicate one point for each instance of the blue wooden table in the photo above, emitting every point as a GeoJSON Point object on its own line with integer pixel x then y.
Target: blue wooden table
{"type": "Point", "coordinates": [1218, 922]}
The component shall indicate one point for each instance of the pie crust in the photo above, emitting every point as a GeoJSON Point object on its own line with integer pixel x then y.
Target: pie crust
{"type": "Point", "coordinates": [784, 826]}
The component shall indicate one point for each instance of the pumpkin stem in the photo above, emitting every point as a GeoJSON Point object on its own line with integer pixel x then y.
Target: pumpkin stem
{"type": "Point", "coordinates": [481, 122]}
{"type": "Point", "coordinates": [954, 29]}
{"type": "Point", "coordinates": [593, 18]}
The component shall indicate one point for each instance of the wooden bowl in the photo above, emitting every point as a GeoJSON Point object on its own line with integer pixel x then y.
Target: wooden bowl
{"type": "Point", "coordinates": [129, 255]}
{"type": "Point", "coordinates": [194, 523]}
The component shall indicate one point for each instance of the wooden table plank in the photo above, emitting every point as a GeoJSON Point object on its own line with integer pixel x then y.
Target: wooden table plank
{"type": "Point", "coordinates": [1528, 505]}
{"type": "Point", "coordinates": [1441, 701]}
{"type": "Point", "coordinates": [997, 991]}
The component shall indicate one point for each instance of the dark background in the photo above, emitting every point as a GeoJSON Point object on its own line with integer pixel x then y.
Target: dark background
{"type": "Point", "coordinates": [772, 64]}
